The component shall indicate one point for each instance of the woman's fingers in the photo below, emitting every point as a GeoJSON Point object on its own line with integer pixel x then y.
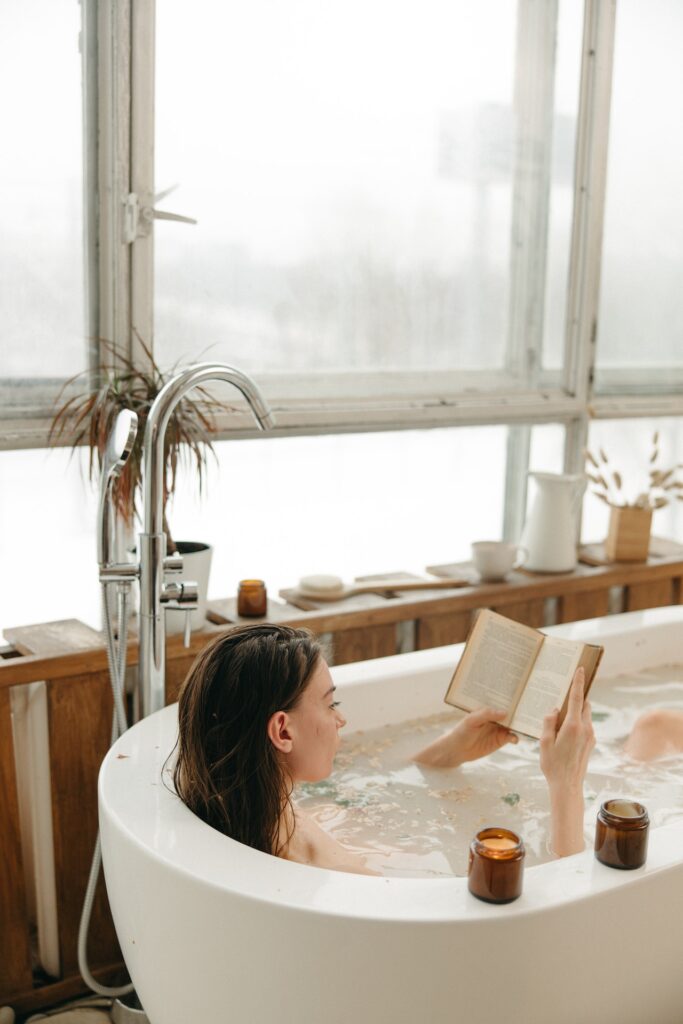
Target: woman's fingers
{"type": "Point", "coordinates": [549, 728]}
{"type": "Point", "coordinates": [483, 715]}
{"type": "Point", "coordinates": [575, 704]}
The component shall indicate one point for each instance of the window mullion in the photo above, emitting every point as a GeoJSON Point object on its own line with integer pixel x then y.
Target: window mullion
{"type": "Point", "coordinates": [534, 110]}
{"type": "Point", "coordinates": [142, 178]}
{"type": "Point", "coordinates": [534, 101]}
{"type": "Point", "coordinates": [89, 73]}
{"type": "Point", "coordinates": [590, 180]}
{"type": "Point", "coordinates": [114, 32]}
{"type": "Point", "coordinates": [589, 200]}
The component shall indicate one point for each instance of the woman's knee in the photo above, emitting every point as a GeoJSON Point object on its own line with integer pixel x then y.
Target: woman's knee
{"type": "Point", "coordinates": [656, 732]}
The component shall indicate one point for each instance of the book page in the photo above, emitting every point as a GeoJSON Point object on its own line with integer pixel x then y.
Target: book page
{"type": "Point", "coordinates": [548, 684]}
{"type": "Point", "coordinates": [497, 660]}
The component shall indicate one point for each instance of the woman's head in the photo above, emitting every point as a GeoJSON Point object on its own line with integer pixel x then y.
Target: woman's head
{"type": "Point", "coordinates": [256, 714]}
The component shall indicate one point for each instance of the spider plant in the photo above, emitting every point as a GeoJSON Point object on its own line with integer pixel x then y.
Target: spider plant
{"type": "Point", "coordinates": [87, 418]}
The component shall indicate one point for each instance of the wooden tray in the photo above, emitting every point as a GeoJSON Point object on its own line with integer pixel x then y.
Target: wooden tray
{"type": "Point", "coordinates": [358, 601]}
{"type": "Point", "coordinates": [660, 547]}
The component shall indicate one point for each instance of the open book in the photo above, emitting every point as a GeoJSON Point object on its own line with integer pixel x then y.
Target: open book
{"type": "Point", "coordinates": [515, 668]}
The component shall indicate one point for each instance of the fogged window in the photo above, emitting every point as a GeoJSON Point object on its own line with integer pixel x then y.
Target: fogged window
{"type": "Point", "coordinates": [628, 446]}
{"type": "Point", "coordinates": [641, 314]}
{"type": "Point", "coordinates": [41, 261]}
{"type": "Point", "coordinates": [349, 504]}
{"type": "Point", "coordinates": [353, 166]}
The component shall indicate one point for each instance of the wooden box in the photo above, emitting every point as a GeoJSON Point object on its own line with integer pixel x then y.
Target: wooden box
{"type": "Point", "coordinates": [628, 539]}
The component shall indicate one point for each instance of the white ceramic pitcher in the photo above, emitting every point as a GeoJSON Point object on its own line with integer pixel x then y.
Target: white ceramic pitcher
{"type": "Point", "coordinates": [549, 533]}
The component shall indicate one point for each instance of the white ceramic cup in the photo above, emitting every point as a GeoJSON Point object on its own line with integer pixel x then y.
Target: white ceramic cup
{"type": "Point", "coordinates": [493, 559]}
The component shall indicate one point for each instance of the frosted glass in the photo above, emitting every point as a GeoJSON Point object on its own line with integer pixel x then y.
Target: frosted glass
{"type": "Point", "coordinates": [628, 445]}
{"type": "Point", "coordinates": [641, 314]}
{"type": "Point", "coordinates": [41, 256]}
{"type": "Point", "coordinates": [281, 508]}
{"type": "Point", "coordinates": [275, 508]}
{"type": "Point", "coordinates": [350, 167]}
{"type": "Point", "coordinates": [47, 531]}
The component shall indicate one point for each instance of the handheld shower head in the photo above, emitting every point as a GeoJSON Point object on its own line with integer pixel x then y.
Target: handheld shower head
{"type": "Point", "coordinates": [119, 444]}
{"type": "Point", "coordinates": [116, 454]}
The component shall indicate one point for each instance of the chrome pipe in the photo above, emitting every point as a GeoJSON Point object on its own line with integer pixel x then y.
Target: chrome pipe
{"type": "Point", "coordinates": [152, 547]}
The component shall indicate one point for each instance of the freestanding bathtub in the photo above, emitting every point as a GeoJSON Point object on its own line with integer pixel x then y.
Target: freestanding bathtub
{"type": "Point", "coordinates": [213, 931]}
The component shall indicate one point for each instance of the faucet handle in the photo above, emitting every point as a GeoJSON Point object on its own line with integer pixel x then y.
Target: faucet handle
{"type": "Point", "coordinates": [119, 572]}
{"type": "Point", "coordinates": [184, 597]}
{"type": "Point", "coordinates": [173, 564]}
{"type": "Point", "coordinates": [180, 595]}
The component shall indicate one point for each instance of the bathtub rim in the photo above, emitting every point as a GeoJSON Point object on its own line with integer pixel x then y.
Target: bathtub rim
{"type": "Point", "coordinates": [229, 867]}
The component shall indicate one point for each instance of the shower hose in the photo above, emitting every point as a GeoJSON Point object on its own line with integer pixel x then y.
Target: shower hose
{"type": "Point", "coordinates": [116, 657]}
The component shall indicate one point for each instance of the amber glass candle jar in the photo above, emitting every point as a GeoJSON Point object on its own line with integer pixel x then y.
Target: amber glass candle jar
{"type": "Point", "coordinates": [252, 598]}
{"type": "Point", "coordinates": [496, 865]}
{"type": "Point", "coordinates": [621, 834]}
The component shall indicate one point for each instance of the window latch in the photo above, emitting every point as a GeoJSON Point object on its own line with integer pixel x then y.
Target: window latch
{"type": "Point", "coordinates": [138, 218]}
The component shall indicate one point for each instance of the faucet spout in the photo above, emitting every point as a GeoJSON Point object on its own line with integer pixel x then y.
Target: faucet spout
{"type": "Point", "coordinates": [160, 414]}
{"type": "Point", "coordinates": [152, 661]}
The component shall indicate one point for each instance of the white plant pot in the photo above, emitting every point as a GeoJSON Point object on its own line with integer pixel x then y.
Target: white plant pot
{"type": "Point", "coordinates": [196, 567]}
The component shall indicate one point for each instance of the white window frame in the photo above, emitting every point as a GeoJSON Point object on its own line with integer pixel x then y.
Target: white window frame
{"type": "Point", "coordinates": [119, 38]}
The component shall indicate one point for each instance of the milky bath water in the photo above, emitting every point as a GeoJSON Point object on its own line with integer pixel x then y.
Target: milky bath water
{"type": "Point", "coordinates": [411, 820]}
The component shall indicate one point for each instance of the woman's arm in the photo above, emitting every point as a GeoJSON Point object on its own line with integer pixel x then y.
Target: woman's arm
{"type": "Point", "coordinates": [564, 760]}
{"type": "Point", "coordinates": [477, 735]}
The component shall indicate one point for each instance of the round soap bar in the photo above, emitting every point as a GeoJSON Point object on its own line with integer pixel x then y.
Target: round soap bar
{"type": "Point", "coordinates": [321, 584]}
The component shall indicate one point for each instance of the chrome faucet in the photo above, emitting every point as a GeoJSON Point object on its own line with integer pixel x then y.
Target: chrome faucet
{"type": "Point", "coordinates": [154, 593]}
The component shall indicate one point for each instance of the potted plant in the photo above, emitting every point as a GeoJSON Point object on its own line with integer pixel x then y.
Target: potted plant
{"type": "Point", "coordinates": [628, 537]}
{"type": "Point", "coordinates": [87, 416]}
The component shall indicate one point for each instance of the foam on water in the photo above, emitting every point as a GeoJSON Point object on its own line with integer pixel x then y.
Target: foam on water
{"type": "Point", "coordinates": [411, 820]}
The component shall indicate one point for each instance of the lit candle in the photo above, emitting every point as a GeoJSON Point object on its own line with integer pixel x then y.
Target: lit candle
{"type": "Point", "coordinates": [496, 865]}
{"type": "Point", "coordinates": [499, 843]}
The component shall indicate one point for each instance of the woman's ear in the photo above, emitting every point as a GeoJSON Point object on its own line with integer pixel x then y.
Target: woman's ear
{"type": "Point", "coordinates": [278, 732]}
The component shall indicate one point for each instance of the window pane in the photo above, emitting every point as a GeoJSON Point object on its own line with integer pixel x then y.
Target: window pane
{"type": "Point", "coordinates": [547, 448]}
{"type": "Point", "coordinates": [41, 264]}
{"type": "Point", "coordinates": [47, 521]}
{"type": "Point", "coordinates": [628, 447]}
{"type": "Point", "coordinates": [641, 314]}
{"type": "Point", "coordinates": [276, 508]}
{"type": "Point", "coordinates": [350, 165]}
{"type": "Point", "coordinates": [348, 504]}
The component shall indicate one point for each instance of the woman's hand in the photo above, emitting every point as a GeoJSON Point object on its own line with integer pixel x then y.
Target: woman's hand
{"type": "Point", "coordinates": [565, 752]}
{"type": "Point", "coordinates": [477, 735]}
{"type": "Point", "coordinates": [564, 760]}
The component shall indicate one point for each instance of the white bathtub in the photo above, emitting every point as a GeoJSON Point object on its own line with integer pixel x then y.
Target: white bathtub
{"type": "Point", "coordinates": [213, 931]}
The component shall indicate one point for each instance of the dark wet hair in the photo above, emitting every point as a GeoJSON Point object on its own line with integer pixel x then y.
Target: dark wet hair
{"type": "Point", "coordinates": [227, 770]}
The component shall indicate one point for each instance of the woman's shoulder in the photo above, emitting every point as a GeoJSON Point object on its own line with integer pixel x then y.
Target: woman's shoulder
{"type": "Point", "coordinates": [310, 844]}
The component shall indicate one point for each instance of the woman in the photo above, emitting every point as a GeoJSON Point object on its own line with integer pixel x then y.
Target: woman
{"type": "Point", "coordinates": [257, 714]}
{"type": "Point", "coordinates": [656, 733]}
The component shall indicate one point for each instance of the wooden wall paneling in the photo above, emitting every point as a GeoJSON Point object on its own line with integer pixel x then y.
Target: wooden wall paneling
{"type": "Point", "coordinates": [79, 718]}
{"type": "Point", "coordinates": [654, 594]}
{"type": "Point", "coordinates": [531, 613]}
{"type": "Point", "coordinates": [677, 593]}
{"type": "Point", "coordinates": [15, 949]}
{"type": "Point", "coordinates": [439, 630]}
{"type": "Point", "coordinates": [591, 604]}
{"type": "Point", "coordinates": [360, 644]}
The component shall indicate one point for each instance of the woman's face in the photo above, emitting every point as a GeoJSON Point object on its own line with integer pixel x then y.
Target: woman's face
{"type": "Point", "coordinates": [313, 729]}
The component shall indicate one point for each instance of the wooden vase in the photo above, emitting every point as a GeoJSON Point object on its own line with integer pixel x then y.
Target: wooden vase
{"type": "Point", "coordinates": [628, 538]}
